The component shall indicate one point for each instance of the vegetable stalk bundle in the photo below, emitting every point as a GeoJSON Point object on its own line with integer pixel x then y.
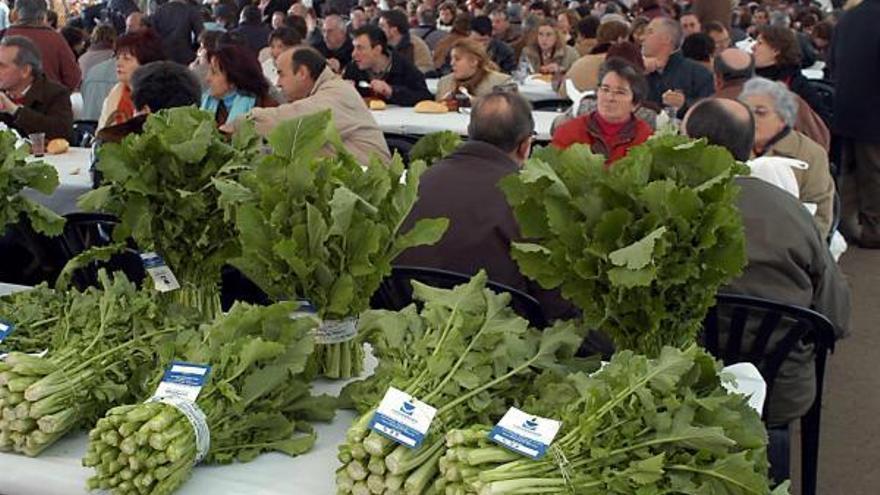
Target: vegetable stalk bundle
{"type": "Point", "coordinates": [642, 247]}
{"type": "Point", "coordinates": [34, 314]}
{"type": "Point", "coordinates": [637, 426]}
{"type": "Point", "coordinates": [322, 228]}
{"type": "Point", "coordinates": [100, 349]}
{"type": "Point", "coordinates": [466, 352]}
{"type": "Point", "coordinates": [256, 399]}
{"type": "Point", "coordinates": [159, 185]}
{"type": "Point", "coordinates": [16, 174]}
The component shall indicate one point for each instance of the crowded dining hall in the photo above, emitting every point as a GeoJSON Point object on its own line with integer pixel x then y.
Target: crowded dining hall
{"type": "Point", "coordinates": [439, 247]}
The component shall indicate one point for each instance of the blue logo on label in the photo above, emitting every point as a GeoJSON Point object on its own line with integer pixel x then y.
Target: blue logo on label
{"type": "Point", "coordinates": [530, 424]}
{"type": "Point", "coordinates": [407, 408]}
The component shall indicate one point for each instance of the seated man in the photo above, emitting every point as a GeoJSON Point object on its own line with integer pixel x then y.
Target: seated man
{"type": "Point", "coordinates": [464, 188]}
{"type": "Point", "coordinates": [788, 262]}
{"type": "Point", "coordinates": [29, 102]}
{"type": "Point", "coordinates": [155, 86]}
{"type": "Point", "coordinates": [378, 72]}
{"type": "Point", "coordinates": [311, 86]}
{"type": "Point", "coordinates": [395, 24]}
{"type": "Point", "coordinates": [500, 52]}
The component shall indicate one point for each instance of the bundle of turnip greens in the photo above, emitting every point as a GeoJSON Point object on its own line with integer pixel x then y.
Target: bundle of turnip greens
{"type": "Point", "coordinates": [641, 247]}
{"type": "Point", "coordinates": [256, 399]}
{"type": "Point", "coordinates": [159, 185]}
{"type": "Point", "coordinates": [468, 354]}
{"type": "Point", "coordinates": [102, 347]}
{"type": "Point", "coordinates": [639, 426]}
{"type": "Point", "coordinates": [319, 227]}
{"type": "Point", "coordinates": [33, 316]}
{"type": "Point", "coordinates": [17, 173]}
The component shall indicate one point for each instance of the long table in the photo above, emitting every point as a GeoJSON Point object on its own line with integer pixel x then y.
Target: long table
{"type": "Point", "coordinates": [532, 89]}
{"type": "Point", "coordinates": [405, 121]}
{"type": "Point", "coordinates": [57, 471]}
{"type": "Point", "coordinates": [73, 177]}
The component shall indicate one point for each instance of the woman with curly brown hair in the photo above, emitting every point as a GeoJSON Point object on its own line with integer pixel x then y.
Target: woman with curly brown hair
{"type": "Point", "coordinates": [132, 51]}
{"type": "Point", "coordinates": [472, 71]}
{"type": "Point", "coordinates": [549, 54]}
{"type": "Point", "coordinates": [235, 84]}
{"type": "Point", "coordinates": [778, 58]}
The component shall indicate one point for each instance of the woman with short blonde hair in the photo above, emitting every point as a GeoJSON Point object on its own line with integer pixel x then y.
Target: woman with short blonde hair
{"type": "Point", "coordinates": [472, 70]}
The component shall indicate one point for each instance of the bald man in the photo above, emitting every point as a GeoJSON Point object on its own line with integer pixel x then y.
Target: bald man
{"type": "Point", "coordinates": [788, 262]}
{"type": "Point", "coordinates": [135, 22]}
{"type": "Point", "coordinates": [733, 67]}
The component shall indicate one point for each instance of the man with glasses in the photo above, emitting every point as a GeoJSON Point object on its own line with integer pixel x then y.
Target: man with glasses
{"type": "Point", "coordinates": [463, 187]}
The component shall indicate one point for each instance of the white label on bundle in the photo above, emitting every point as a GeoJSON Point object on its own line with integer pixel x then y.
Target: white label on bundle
{"type": "Point", "coordinates": [336, 331]}
{"type": "Point", "coordinates": [183, 381]}
{"type": "Point", "coordinates": [163, 278]}
{"type": "Point", "coordinates": [196, 418]}
{"type": "Point", "coordinates": [402, 418]}
{"type": "Point", "coordinates": [5, 329]}
{"type": "Point", "coordinates": [525, 434]}
{"type": "Point", "coordinates": [305, 309]}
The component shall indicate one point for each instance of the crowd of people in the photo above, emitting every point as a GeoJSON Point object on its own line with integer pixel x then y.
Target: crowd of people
{"type": "Point", "coordinates": [729, 73]}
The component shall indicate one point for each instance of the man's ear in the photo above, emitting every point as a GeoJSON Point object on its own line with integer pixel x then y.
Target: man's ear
{"type": "Point", "coordinates": [523, 149]}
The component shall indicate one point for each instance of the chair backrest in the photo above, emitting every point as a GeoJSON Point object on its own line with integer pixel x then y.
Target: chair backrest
{"type": "Point", "coordinates": [84, 132]}
{"type": "Point", "coordinates": [86, 230]}
{"type": "Point", "coordinates": [790, 324]}
{"type": "Point", "coordinates": [395, 292]}
{"type": "Point", "coordinates": [825, 89]}
{"type": "Point", "coordinates": [555, 105]}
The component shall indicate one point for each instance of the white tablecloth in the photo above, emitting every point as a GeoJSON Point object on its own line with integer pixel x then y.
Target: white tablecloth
{"type": "Point", "coordinates": [74, 180]}
{"type": "Point", "coordinates": [404, 120]}
{"type": "Point", "coordinates": [534, 90]}
{"type": "Point", "coordinates": [9, 289]}
{"type": "Point", "coordinates": [57, 471]}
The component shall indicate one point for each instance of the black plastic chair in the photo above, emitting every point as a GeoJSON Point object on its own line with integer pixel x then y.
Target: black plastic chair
{"type": "Point", "coordinates": [395, 292]}
{"type": "Point", "coordinates": [553, 105]}
{"type": "Point", "coordinates": [28, 257]}
{"type": "Point", "coordinates": [400, 144]}
{"type": "Point", "coordinates": [86, 230]}
{"type": "Point", "coordinates": [799, 325]}
{"type": "Point", "coordinates": [84, 132]}
{"type": "Point", "coordinates": [825, 89]}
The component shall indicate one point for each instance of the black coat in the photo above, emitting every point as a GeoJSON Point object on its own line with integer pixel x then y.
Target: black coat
{"type": "Point", "coordinates": [855, 68]}
{"type": "Point", "coordinates": [502, 54]}
{"type": "Point", "coordinates": [256, 35]}
{"type": "Point", "coordinates": [343, 53]}
{"type": "Point", "coordinates": [179, 25]}
{"type": "Point", "coordinates": [463, 188]}
{"type": "Point", "coordinates": [46, 108]}
{"type": "Point", "coordinates": [681, 74]}
{"type": "Point", "coordinates": [406, 81]}
{"type": "Point", "coordinates": [791, 76]}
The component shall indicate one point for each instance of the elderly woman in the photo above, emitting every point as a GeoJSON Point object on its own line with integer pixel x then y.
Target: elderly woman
{"type": "Point", "coordinates": [778, 57]}
{"type": "Point", "coordinates": [132, 51]}
{"type": "Point", "coordinates": [775, 110]}
{"type": "Point", "coordinates": [549, 54]}
{"type": "Point", "coordinates": [235, 84]}
{"type": "Point", "coordinates": [472, 72]}
{"type": "Point", "coordinates": [613, 128]}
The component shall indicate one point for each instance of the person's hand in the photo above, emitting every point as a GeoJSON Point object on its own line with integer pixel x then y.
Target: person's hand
{"type": "Point", "coordinates": [6, 104]}
{"type": "Point", "coordinates": [334, 64]}
{"type": "Point", "coordinates": [552, 68]}
{"type": "Point", "coordinates": [227, 129]}
{"type": "Point", "coordinates": [673, 98]}
{"type": "Point", "coordinates": [651, 64]}
{"type": "Point", "coordinates": [381, 88]}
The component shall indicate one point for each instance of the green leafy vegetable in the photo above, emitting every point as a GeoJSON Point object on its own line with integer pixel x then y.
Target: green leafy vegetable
{"type": "Point", "coordinates": [17, 173]}
{"type": "Point", "coordinates": [641, 247]}
{"type": "Point", "coordinates": [432, 147]}
{"type": "Point", "coordinates": [256, 399]}
{"type": "Point", "coordinates": [160, 185]}
{"type": "Point", "coordinates": [322, 227]}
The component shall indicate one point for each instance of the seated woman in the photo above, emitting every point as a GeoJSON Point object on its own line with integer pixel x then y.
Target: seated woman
{"type": "Point", "coordinates": [549, 54]}
{"type": "Point", "coordinates": [235, 84]}
{"type": "Point", "coordinates": [775, 111]}
{"type": "Point", "coordinates": [613, 128]}
{"type": "Point", "coordinates": [132, 51]}
{"type": "Point", "coordinates": [472, 71]}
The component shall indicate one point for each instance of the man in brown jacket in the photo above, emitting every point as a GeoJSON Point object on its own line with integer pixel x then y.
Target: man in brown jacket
{"type": "Point", "coordinates": [733, 67]}
{"type": "Point", "coordinates": [311, 86]}
{"type": "Point", "coordinates": [29, 102]}
{"type": "Point", "coordinates": [463, 187]}
{"type": "Point", "coordinates": [58, 61]}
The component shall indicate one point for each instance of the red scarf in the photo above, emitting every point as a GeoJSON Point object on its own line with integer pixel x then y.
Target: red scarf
{"type": "Point", "coordinates": [125, 109]}
{"type": "Point", "coordinates": [610, 131]}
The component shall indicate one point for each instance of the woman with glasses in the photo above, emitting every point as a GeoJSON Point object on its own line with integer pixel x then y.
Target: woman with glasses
{"type": "Point", "coordinates": [612, 129]}
{"type": "Point", "coordinates": [775, 111]}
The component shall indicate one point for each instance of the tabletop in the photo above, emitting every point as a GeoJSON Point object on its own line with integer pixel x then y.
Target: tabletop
{"type": "Point", "coordinates": [405, 120]}
{"type": "Point", "coordinates": [533, 89]}
{"type": "Point", "coordinates": [73, 180]}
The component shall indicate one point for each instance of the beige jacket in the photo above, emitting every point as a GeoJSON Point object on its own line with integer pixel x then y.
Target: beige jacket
{"type": "Point", "coordinates": [421, 54]}
{"type": "Point", "coordinates": [360, 133]}
{"type": "Point", "coordinates": [565, 57]}
{"type": "Point", "coordinates": [584, 73]}
{"type": "Point", "coordinates": [815, 183]}
{"type": "Point", "coordinates": [447, 83]}
{"type": "Point", "coordinates": [110, 104]}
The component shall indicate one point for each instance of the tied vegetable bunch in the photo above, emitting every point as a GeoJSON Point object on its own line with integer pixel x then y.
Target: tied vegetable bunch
{"type": "Point", "coordinates": [641, 247]}
{"type": "Point", "coordinates": [16, 174]}
{"type": "Point", "coordinates": [638, 426]}
{"type": "Point", "coordinates": [467, 353]}
{"type": "Point", "coordinates": [319, 227]}
{"type": "Point", "coordinates": [101, 350]}
{"type": "Point", "coordinates": [159, 185]}
{"type": "Point", "coordinates": [256, 399]}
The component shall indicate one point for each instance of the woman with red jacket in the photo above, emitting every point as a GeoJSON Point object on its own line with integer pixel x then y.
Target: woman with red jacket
{"type": "Point", "coordinates": [613, 128]}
